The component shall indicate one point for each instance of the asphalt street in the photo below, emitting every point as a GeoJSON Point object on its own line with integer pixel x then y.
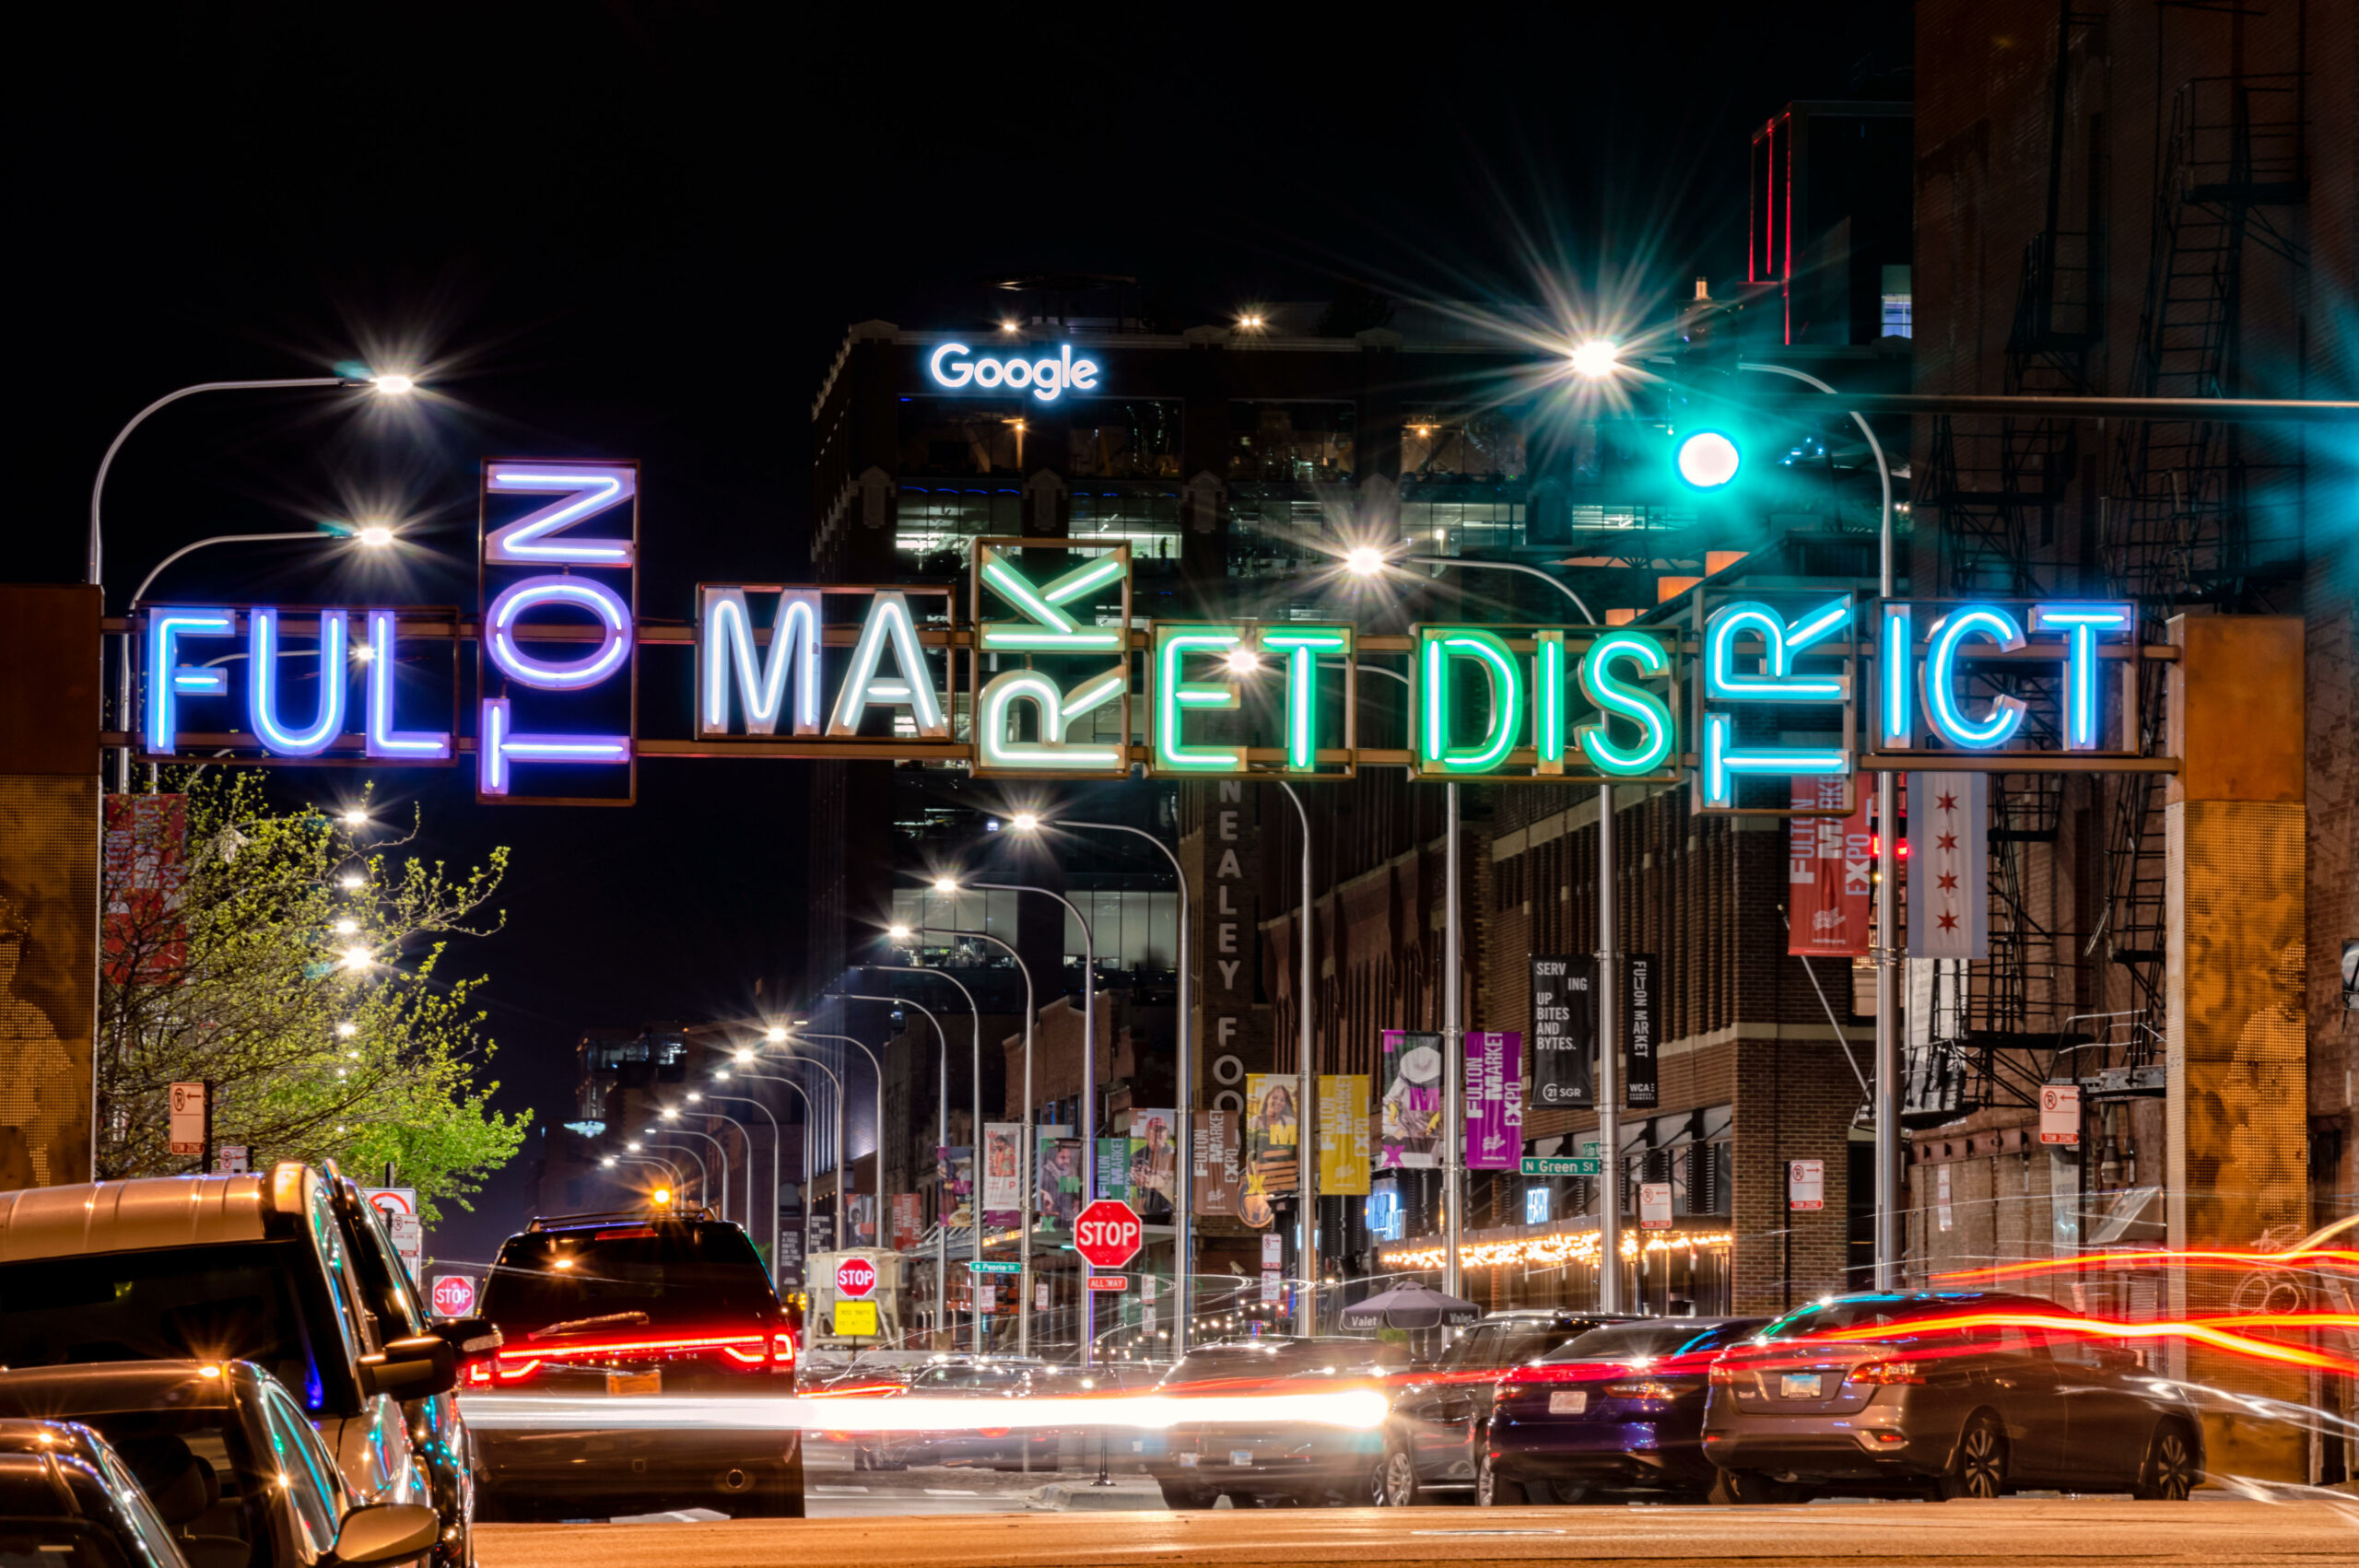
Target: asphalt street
{"type": "Point", "coordinates": [2214, 1532]}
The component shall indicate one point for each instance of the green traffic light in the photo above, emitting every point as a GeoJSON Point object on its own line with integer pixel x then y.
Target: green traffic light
{"type": "Point", "coordinates": [1707, 459]}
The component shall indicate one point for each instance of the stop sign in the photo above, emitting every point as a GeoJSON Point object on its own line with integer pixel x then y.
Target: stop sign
{"type": "Point", "coordinates": [855, 1276]}
{"type": "Point", "coordinates": [454, 1295]}
{"type": "Point", "coordinates": [1107, 1233]}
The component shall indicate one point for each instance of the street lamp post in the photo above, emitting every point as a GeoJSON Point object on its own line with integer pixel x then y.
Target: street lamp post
{"type": "Point", "coordinates": [1024, 1164]}
{"type": "Point", "coordinates": [876, 1066]}
{"type": "Point", "coordinates": [777, 1137]}
{"type": "Point", "coordinates": [1088, 1076]}
{"type": "Point", "coordinates": [810, 1117]}
{"type": "Point", "coordinates": [704, 1172]}
{"type": "Point", "coordinates": [1183, 1232]}
{"type": "Point", "coordinates": [1306, 1152]}
{"type": "Point", "coordinates": [942, 1043]}
{"type": "Point", "coordinates": [1367, 561]}
{"type": "Point", "coordinates": [793, 1061]}
{"type": "Point", "coordinates": [745, 1136]}
{"type": "Point", "coordinates": [941, 1230]}
{"type": "Point", "coordinates": [640, 1156]}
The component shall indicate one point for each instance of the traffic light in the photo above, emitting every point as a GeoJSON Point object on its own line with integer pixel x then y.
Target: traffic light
{"type": "Point", "coordinates": [1707, 459]}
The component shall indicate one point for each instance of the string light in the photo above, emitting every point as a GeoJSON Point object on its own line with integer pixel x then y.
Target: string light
{"type": "Point", "coordinates": [1556, 1251]}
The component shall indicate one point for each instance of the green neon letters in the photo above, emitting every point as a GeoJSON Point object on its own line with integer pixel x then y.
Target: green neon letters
{"type": "Point", "coordinates": [1302, 647]}
{"type": "Point", "coordinates": [1438, 649]}
{"type": "Point", "coordinates": [1176, 696]}
{"type": "Point", "coordinates": [1615, 697]}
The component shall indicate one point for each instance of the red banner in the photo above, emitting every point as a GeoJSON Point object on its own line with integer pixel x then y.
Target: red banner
{"type": "Point", "coordinates": [146, 865]}
{"type": "Point", "coordinates": [908, 1221]}
{"type": "Point", "coordinates": [1830, 888]}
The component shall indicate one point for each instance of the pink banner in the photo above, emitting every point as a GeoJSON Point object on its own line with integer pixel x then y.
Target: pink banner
{"type": "Point", "coordinates": [1494, 1101]}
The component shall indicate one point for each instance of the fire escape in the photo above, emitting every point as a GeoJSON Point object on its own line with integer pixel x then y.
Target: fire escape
{"type": "Point", "coordinates": [2186, 507]}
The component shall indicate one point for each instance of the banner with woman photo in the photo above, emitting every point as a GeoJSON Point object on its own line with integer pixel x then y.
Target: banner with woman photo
{"type": "Point", "coordinates": [1272, 1145]}
{"type": "Point", "coordinates": [1003, 1171]}
{"type": "Point", "coordinates": [1153, 1173]}
{"type": "Point", "coordinates": [1057, 1197]}
{"type": "Point", "coordinates": [1410, 1134]}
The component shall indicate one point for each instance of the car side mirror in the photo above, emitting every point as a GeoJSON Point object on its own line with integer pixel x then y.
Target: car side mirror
{"type": "Point", "coordinates": [379, 1532]}
{"type": "Point", "coordinates": [415, 1368]}
{"type": "Point", "coordinates": [470, 1339]}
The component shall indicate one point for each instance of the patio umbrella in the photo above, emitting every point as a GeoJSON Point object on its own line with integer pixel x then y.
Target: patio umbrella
{"type": "Point", "coordinates": [1410, 1306]}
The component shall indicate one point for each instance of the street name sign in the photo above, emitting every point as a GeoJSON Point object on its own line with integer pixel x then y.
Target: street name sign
{"type": "Point", "coordinates": [1561, 1165]}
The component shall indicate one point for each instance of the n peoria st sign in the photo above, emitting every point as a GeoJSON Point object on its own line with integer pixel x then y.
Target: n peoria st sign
{"type": "Point", "coordinates": [1039, 676]}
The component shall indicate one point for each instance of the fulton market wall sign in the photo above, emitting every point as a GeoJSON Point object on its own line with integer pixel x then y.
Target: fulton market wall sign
{"type": "Point", "coordinates": [1035, 667]}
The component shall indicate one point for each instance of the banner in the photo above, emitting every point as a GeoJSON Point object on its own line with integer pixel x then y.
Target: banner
{"type": "Point", "coordinates": [1640, 1085]}
{"type": "Point", "coordinates": [146, 851]}
{"type": "Point", "coordinates": [956, 1163]}
{"type": "Point", "coordinates": [1829, 884]}
{"type": "Point", "coordinates": [1495, 1101]}
{"type": "Point", "coordinates": [1153, 1174]}
{"type": "Point", "coordinates": [1002, 1170]}
{"type": "Point", "coordinates": [1114, 1168]}
{"type": "Point", "coordinates": [908, 1221]}
{"type": "Point", "coordinates": [1564, 1031]}
{"type": "Point", "coordinates": [1342, 1134]}
{"type": "Point", "coordinates": [1949, 866]}
{"type": "Point", "coordinates": [1272, 1140]}
{"type": "Point", "coordinates": [1410, 1065]}
{"type": "Point", "coordinates": [1214, 1179]}
{"type": "Point", "coordinates": [1057, 1197]}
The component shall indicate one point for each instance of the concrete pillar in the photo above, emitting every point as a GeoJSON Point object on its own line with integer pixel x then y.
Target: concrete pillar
{"type": "Point", "coordinates": [2233, 980]}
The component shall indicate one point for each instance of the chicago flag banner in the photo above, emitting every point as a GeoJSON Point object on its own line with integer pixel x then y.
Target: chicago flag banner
{"type": "Point", "coordinates": [1949, 870]}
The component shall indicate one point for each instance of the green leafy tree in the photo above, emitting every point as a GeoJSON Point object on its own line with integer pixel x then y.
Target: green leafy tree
{"type": "Point", "coordinates": [299, 975]}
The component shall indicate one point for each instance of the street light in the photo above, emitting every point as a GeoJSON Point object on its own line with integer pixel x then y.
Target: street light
{"type": "Point", "coordinates": [942, 1043]}
{"type": "Point", "coordinates": [792, 1060]}
{"type": "Point", "coordinates": [1183, 1206]}
{"type": "Point", "coordinates": [941, 1230]}
{"type": "Point", "coordinates": [1024, 1171]}
{"type": "Point", "coordinates": [1596, 359]}
{"type": "Point", "coordinates": [704, 1172]}
{"type": "Point", "coordinates": [1305, 1159]}
{"type": "Point", "coordinates": [877, 1066]}
{"type": "Point", "coordinates": [670, 1113]}
{"type": "Point", "coordinates": [810, 1115]}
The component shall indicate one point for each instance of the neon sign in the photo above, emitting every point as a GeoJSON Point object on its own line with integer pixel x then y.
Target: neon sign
{"type": "Point", "coordinates": [1044, 378]}
{"type": "Point", "coordinates": [1762, 687]}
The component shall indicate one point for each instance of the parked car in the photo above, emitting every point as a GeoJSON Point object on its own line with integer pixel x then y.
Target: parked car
{"type": "Point", "coordinates": [1277, 1457]}
{"type": "Point", "coordinates": [257, 1268]}
{"type": "Point", "coordinates": [1432, 1441]}
{"type": "Point", "coordinates": [233, 1469]}
{"type": "Point", "coordinates": [391, 1295]}
{"type": "Point", "coordinates": [1620, 1408]}
{"type": "Point", "coordinates": [982, 1380]}
{"type": "Point", "coordinates": [617, 1306]}
{"type": "Point", "coordinates": [1942, 1394]}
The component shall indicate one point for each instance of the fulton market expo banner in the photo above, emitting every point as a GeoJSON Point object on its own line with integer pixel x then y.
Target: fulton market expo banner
{"type": "Point", "coordinates": [1410, 1137]}
{"type": "Point", "coordinates": [1641, 976]}
{"type": "Point", "coordinates": [1494, 1101]}
{"type": "Point", "coordinates": [1564, 1031]}
{"type": "Point", "coordinates": [1828, 862]}
{"type": "Point", "coordinates": [1343, 1135]}
{"type": "Point", "coordinates": [1214, 1180]}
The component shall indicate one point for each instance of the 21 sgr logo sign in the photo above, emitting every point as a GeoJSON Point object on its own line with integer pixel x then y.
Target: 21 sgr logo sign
{"type": "Point", "coordinates": [1051, 665]}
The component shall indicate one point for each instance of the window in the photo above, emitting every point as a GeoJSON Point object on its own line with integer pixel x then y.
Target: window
{"type": "Point", "coordinates": [1535, 1205]}
{"type": "Point", "coordinates": [662, 1276]}
{"type": "Point", "coordinates": [304, 1469]}
{"type": "Point", "coordinates": [155, 1536]}
{"type": "Point", "coordinates": [1898, 302]}
{"type": "Point", "coordinates": [1304, 443]}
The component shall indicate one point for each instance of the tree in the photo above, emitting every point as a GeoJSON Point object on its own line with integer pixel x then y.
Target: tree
{"type": "Point", "coordinates": [296, 971]}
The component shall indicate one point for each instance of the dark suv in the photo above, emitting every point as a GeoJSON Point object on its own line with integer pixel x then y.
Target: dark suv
{"type": "Point", "coordinates": [649, 1302]}
{"type": "Point", "coordinates": [1951, 1394]}
{"type": "Point", "coordinates": [1439, 1408]}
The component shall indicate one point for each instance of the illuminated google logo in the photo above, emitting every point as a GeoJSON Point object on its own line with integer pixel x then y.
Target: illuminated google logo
{"type": "Point", "coordinates": [1044, 378]}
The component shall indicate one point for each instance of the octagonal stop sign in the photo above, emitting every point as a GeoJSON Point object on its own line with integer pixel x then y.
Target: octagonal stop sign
{"type": "Point", "coordinates": [1107, 1233]}
{"type": "Point", "coordinates": [855, 1277]}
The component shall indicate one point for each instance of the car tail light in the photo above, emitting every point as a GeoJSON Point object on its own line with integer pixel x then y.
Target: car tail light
{"type": "Point", "coordinates": [782, 1352]}
{"type": "Point", "coordinates": [1889, 1371]}
{"type": "Point", "coordinates": [1646, 1390]}
{"type": "Point", "coordinates": [1723, 1376]}
{"type": "Point", "coordinates": [514, 1369]}
{"type": "Point", "coordinates": [990, 1432]}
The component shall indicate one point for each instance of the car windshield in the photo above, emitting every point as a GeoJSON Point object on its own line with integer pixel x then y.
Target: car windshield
{"type": "Point", "coordinates": [642, 1276]}
{"type": "Point", "coordinates": [1665, 1337]}
{"type": "Point", "coordinates": [209, 1304]}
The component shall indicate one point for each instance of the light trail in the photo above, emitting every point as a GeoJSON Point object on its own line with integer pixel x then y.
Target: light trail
{"type": "Point", "coordinates": [1352, 1409]}
{"type": "Point", "coordinates": [2332, 1257]}
{"type": "Point", "coordinates": [2221, 1333]}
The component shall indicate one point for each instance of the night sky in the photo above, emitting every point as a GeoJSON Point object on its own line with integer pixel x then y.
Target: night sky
{"type": "Point", "coordinates": [636, 230]}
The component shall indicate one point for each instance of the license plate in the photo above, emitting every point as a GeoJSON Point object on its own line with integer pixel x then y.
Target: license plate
{"type": "Point", "coordinates": [1240, 1456]}
{"type": "Point", "coordinates": [634, 1383]}
{"type": "Point", "coordinates": [1187, 1461]}
{"type": "Point", "coordinates": [1801, 1386]}
{"type": "Point", "coordinates": [1571, 1404]}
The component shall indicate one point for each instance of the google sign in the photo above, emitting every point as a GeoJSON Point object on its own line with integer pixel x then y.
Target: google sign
{"type": "Point", "coordinates": [950, 367]}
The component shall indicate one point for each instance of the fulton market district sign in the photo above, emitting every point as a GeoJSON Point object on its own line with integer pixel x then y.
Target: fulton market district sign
{"type": "Point", "coordinates": [1035, 667]}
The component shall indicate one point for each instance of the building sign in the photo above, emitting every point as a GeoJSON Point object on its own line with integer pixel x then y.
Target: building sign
{"type": "Point", "coordinates": [1494, 1101]}
{"type": "Point", "coordinates": [1830, 869]}
{"type": "Point", "coordinates": [1640, 1085]}
{"type": "Point", "coordinates": [1564, 1031]}
{"type": "Point", "coordinates": [1761, 692]}
{"type": "Point", "coordinates": [958, 368]}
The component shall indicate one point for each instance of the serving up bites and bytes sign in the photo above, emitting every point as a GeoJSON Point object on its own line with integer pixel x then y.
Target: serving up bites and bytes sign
{"type": "Point", "coordinates": [1748, 695]}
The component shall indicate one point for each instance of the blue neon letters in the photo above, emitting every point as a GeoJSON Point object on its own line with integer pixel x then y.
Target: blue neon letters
{"type": "Point", "coordinates": [1046, 377]}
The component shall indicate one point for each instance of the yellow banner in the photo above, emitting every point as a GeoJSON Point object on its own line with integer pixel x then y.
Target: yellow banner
{"type": "Point", "coordinates": [1342, 1134]}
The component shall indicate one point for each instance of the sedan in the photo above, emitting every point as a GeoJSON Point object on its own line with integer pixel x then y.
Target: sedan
{"type": "Point", "coordinates": [1945, 1394]}
{"type": "Point", "coordinates": [1619, 1407]}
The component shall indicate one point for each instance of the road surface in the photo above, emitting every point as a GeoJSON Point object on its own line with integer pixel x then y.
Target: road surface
{"type": "Point", "coordinates": [2212, 1532]}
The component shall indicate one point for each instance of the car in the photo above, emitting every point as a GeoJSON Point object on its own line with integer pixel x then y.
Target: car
{"type": "Point", "coordinates": [230, 1463]}
{"type": "Point", "coordinates": [1944, 1394]}
{"type": "Point", "coordinates": [255, 1267]}
{"type": "Point", "coordinates": [439, 1435]}
{"type": "Point", "coordinates": [657, 1300]}
{"type": "Point", "coordinates": [1431, 1441]}
{"type": "Point", "coordinates": [1620, 1408]}
{"type": "Point", "coordinates": [1277, 1457]}
{"type": "Point", "coordinates": [982, 1380]}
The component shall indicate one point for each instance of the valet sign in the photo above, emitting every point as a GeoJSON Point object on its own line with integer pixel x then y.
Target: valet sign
{"type": "Point", "coordinates": [1034, 666]}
